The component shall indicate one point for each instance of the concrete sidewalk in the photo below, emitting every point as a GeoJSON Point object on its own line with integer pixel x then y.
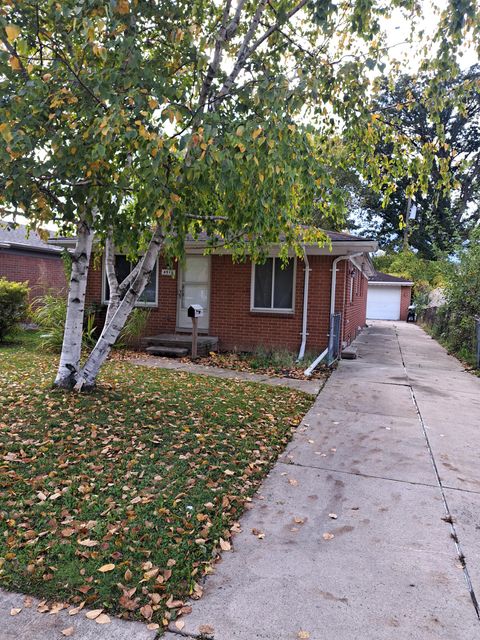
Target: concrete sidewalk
{"type": "Point", "coordinates": [358, 542]}
{"type": "Point", "coordinates": [312, 386]}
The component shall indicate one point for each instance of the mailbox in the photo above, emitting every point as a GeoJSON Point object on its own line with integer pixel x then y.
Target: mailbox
{"type": "Point", "coordinates": [195, 311]}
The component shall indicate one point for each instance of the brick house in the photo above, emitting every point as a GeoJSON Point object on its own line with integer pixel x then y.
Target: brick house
{"type": "Point", "coordinates": [25, 257]}
{"type": "Point", "coordinates": [247, 306]}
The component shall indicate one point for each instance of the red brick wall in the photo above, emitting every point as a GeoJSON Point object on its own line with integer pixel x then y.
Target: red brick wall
{"type": "Point", "coordinates": [237, 327]}
{"type": "Point", "coordinates": [162, 319]}
{"type": "Point", "coordinates": [43, 273]}
{"type": "Point", "coordinates": [405, 299]}
{"type": "Point", "coordinates": [355, 315]}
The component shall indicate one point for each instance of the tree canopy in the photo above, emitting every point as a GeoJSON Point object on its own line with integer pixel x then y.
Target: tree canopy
{"type": "Point", "coordinates": [447, 197]}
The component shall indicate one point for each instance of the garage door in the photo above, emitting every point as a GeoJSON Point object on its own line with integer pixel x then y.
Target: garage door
{"type": "Point", "coordinates": [383, 303]}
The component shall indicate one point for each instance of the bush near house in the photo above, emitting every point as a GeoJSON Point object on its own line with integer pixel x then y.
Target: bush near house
{"type": "Point", "coordinates": [13, 305]}
{"type": "Point", "coordinates": [454, 323]}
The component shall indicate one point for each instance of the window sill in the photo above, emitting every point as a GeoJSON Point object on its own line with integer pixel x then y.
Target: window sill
{"type": "Point", "coordinates": [272, 313]}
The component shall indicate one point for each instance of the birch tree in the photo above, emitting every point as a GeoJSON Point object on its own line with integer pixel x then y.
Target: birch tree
{"type": "Point", "coordinates": [168, 119]}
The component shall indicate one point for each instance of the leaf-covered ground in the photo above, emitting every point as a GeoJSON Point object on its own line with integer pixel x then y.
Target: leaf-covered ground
{"type": "Point", "coordinates": [121, 498]}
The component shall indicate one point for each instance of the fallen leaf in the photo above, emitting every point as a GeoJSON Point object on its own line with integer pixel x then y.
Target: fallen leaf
{"type": "Point", "coordinates": [88, 543]}
{"type": "Point", "coordinates": [91, 615]}
{"type": "Point", "coordinates": [206, 629]}
{"type": "Point", "coordinates": [103, 619]}
{"type": "Point", "coordinates": [333, 516]}
{"type": "Point", "coordinates": [75, 610]}
{"type": "Point", "coordinates": [225, 545]}
{"type": "Point", "coordinates": [128, 575]}
{"type": "Point", "coordinates": [106, 568]}
{"type": "Point", "coordinates": [293, 482]}
{"type": "Point", "coordinates": [179, 624]}
{"type": "Point", "coordinates": [66, 533]}
{"type": "Point", "coordinates": [328, 536]}
{"type": "Point", "coordinates": [68, 632]}
{"type": "Point", "coordinates": [14, 612]}
{"type": "Point", "coordinates": [299, 520]}
{"type": "Point", "coordinates": [153, 626]}
{"type": "Point", "coordinates": [303, 635]}
{"type": "Point", "coordinates": [146, 611]}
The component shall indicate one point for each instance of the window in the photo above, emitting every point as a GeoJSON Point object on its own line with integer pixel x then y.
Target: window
{"type": "Point", "coordinates": [149, 297]}
{"type": "Point", "coordinates": [272, 285]}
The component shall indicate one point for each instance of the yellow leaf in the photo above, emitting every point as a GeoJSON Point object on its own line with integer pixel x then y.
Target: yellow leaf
{"type": "Point", "coordinates": [123, 7]}
{"type": "Point", "coordinates": [256, 133]}
{"type": "Point", "coordinates": [152, 103]}
{"type": "Point", "coordinates": [6, 132]}
{"type": "Point", "coordinates": [14, 63]}
{"type": "Point", "coordinates": [12, 32]}
{"type": "Point", "coordinates": [107, 567]}
{"type": "Point", "coordinates": [14, 612]}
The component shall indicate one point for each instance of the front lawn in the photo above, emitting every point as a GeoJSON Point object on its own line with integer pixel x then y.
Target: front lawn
{"type": "Point", "coordinates": [121, 498]}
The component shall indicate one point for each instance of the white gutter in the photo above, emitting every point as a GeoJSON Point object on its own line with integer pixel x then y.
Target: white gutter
{"type": "Point", "coordinates": [306, 281]}
{"type": "Point", "coordinates": [308, 372]}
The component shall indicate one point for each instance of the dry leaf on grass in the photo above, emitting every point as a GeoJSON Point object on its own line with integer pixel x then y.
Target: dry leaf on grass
{"type": "Point", "coordinates": [14, 611]}
{"type": "Point", "coordinates": [107, 567]}
{"type": "Point", "coordinates": [328, 536]}
{"type": "Point", "coordinates": [88, 543]}
{"type": "Point", "coordinates": [68, 632]}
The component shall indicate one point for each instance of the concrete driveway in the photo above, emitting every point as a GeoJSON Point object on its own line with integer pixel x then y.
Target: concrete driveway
{"type": "Point", "coordinates": [369, 526]}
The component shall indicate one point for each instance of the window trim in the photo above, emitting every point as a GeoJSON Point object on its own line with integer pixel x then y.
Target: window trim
{"type": "Point", "coordinates": [147, 305]}
{"type": "Point", "coordinates": [280, 311]}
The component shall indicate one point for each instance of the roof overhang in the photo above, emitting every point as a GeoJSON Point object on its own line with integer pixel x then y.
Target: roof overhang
{"type": "Point", "coordinates": [390, 284]}
{"type": "Point", "coordinates": [19, 246]}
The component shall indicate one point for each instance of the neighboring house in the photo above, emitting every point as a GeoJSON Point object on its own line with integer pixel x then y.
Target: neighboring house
{"type": "Point", "coordinates": [25, 257]}
{"type": "Point", "coordinates": [388, 297]}
{"type": "Point", "coordinates": [249, 306]}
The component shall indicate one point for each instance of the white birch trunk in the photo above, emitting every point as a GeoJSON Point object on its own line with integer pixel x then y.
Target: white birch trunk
{"type": "Point", "coordinates": [114, 299]}
{"type": "Point", "coordinates": [72, 336]}
{"type": "Point", "coordinates": [87, 375]}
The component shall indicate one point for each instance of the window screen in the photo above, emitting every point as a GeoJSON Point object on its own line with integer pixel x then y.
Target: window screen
{"type": "Point", "coordinates": [273, 285]}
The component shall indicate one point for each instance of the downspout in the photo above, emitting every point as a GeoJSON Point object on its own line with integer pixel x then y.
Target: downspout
{"type": "Point", "coordinates": [306, 280]}
{"type": "Point", "coordinates": [308, 372]}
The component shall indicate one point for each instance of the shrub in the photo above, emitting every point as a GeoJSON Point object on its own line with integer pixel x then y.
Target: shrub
{"type": "Point", "coordinates": [13, 305]}
{"type": "Point", "coordinates": [51, 310]}
{"type": "Point", "coordinates": [133, 329]}
{"type": "Point", "coordinates": [50, 313]}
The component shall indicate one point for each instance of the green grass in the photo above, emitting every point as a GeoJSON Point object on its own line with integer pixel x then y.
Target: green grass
{"type": "Point", "coordinates": [154, 467]}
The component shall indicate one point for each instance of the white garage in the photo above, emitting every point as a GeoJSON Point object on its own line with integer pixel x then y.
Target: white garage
{"type": "Point", "coordinates": [388, 297]}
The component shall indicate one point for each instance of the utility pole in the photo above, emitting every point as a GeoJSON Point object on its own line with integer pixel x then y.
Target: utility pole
{"type": "Point", "coordinates": [405, 228]}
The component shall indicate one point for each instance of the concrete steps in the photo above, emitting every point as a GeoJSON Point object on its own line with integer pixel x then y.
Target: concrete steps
{"type": "Point", "coordinates": [178, 345]}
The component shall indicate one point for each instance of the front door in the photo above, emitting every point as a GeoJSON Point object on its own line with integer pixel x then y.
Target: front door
{"type": "Point", "coordinates": [194, 288]}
